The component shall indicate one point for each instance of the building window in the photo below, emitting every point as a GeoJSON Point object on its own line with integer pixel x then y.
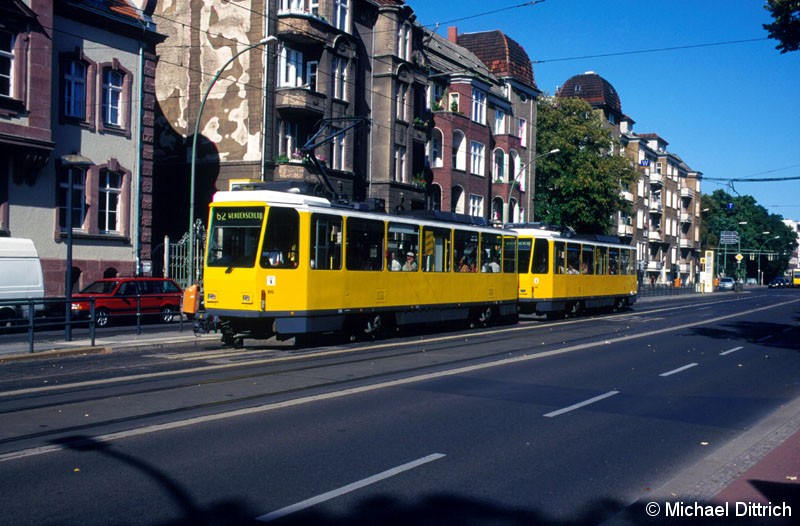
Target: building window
{"type": "Point", "coordinates": [290, 66]}
{"type": "Point", "coordinates": [404, 41]}
{"type": "Point", "coordinates": [477, 156]}
{"type": "Point", "coordinates": [401, 97]}
{"type": "Point", "coordinates": [311, 74]}
{"type": "Point", "coordinates": [78, 202]}
{"type": "Point", "coordinates": [109, 192]}
{"type": "Point", "coordinates": [340, 13]}
{"type": "Point", "coordinates": [399, 164]}
{"type": "Point", "coordinates": [287, 138]}
{"type": "Point", "coordinates": [478, 106]}
{"type": "Point", "coordinates": [6, 64]}
{"type": "Point", "coordinates": [75, 90]}
{"type": "Point", "coordinates": [292, 6]}
{"type": "Point", "coordinates": [337, 146]}
{"type": "Point", "coordinates": [436, 96]}
{"type": "Point", "coordinates": [499, 166]}
{"type": "Point", "coordinates": [476, 205]}
{"type": "Point", "coordinates": [454, 102]}
{"type": "Point", "coordinates": [436, 149]}
{"type": "Point", "coordinates": [339, 78]}
{"type": "Point", "coordinates": [313, 6]}
{"type": "Point", "coordinates": [459, 156]}
{"type": "Point", "coordinates": [499, 122]}
{"type": "Point", "coordinates": [112, 97]}
{"type": "Point", "coordinates": [522, 132]}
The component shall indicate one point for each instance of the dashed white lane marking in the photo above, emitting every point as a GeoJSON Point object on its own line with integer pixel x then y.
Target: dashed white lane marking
{"type": "Point", "coordinates": [313, 501]}
{"type": "Point", "coordinates": [581, 404]}
{"type": "Point", "coordinates": [723, 353]}
{"type": "Point", "coordinates": [679, 369]}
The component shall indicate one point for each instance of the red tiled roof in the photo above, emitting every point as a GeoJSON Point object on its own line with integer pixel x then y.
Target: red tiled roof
{"type": "Point", "coordinates": [594, 89]}
{"type": "Point", "coordinates": [502, 55]}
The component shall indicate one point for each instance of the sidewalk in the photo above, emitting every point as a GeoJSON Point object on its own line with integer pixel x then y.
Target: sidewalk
{"type": "Point", "coordinates": [53, 346]}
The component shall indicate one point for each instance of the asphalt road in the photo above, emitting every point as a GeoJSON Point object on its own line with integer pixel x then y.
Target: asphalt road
{"type": "Point", "coordinates": [552, 423]}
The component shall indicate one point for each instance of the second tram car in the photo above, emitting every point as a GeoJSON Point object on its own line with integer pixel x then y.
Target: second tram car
{"type": "Point", "coordinates": [563, 273]}
{"type": "Point", "coordinates": [289, 265]}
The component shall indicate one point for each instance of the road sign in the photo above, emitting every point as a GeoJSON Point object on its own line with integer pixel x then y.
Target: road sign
{"type": "Point", "coordinates": [729, 237]}
{"type": "Point", "coordinates": [739, 258]}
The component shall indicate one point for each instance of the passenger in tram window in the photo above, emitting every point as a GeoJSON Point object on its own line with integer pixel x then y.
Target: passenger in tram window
{"type": "Point", "coordinates": [395, 265]}
{"type": "Point", "coordinates": [584, 268]}
{"type": "Point", "coordinates": [571, 269]}
{"type": "Point", "coordinates": [463, 266]}
{"type": "Point", "coordinates": [411, 263]}
{"type": "Point", "coordinates": [493, 265]}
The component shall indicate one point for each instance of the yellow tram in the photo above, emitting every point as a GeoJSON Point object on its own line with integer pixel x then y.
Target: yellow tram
{"type": "Point", "coordinates": [288, 264]}
{"type": "Point", "coordinates": [563, 273]}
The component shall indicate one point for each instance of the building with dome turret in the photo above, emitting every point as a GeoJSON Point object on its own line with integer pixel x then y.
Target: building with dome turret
{"type": "Point", "coordinates": [664, 222]}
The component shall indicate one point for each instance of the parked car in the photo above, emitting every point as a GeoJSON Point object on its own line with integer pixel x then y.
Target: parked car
{"type": "Point", "coordinates": [727, 283]}
{"type": "Point", "coordinates": [779, 282]}
{"type": "Point", "coordinates": [118, 297]}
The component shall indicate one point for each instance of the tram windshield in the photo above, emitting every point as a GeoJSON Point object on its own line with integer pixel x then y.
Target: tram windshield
{"type": "Point", "coordinates": [233, 236]}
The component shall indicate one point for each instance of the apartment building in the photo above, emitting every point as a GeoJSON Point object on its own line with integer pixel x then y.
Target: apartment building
{"type": "Point", "coordinates": [664, 222]}
{"type": "Point", "coordinates": [76, 140]}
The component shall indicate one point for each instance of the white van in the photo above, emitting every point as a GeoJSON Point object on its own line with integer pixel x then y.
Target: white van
{"type": "Point", "coordinates": [21, 279]}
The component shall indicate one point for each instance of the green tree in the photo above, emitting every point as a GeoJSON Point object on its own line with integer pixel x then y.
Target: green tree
{"type": "Point", "coordinates": [724, 212]}
{"type": "Point", "coordinates": [580, 186]}
{"type": "Point", "coordinates": [786, 26]}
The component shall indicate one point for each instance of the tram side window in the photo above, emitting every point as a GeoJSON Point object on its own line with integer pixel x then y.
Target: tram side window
{"type": "Point", "coordinates": [587, 259]}
{"type": "Point", "coordinates": [326, 242]}
{"type": "Point", "coordinates": [541, 257]}
{"type": "Point", "coordinates": [364, 249]}
{"type": "Point", "coordinates": [561, 257]}
{"type": "Point", "coordinates": [509, 254]}
{"type": "Point", "coordinates": [233, 236]}
{"type": "Point", "coordinates": [465, 251]}
{"type": "Point", "coordinates": [402, 247]}
{"type": "Point", "coordinates": [573, 258]}
{"type": "Point", "coordinates": [627, 262]}
{"type": "Point", "coordinates": [524, 245]}
{"type": "Point", "coordinates": [435, 253]}
{"type": "Point", "coordinates": [613, 261]}
{"type": "Point", "coordinates": [281, 239]}
{"type": "Point", "coordinates": [491, 250]}
{"type": "Point", "coordinates": [601, 260]}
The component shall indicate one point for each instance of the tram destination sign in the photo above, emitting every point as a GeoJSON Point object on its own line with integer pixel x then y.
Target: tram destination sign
{"type": "Point", "coordinates": [728, 237]}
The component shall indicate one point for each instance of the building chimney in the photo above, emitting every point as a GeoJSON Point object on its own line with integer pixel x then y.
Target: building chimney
{"type": "Point", "coordinates": [452, 34]}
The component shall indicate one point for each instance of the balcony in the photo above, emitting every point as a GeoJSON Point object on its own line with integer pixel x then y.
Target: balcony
{"type": "Point", "coordinates": [654, 236]}
{"type": "Point", "coordinates": [302, 27]}
{"type": "Point", "coordinates": [655, 207]}
{"type": "Point", "coordinates": [686, 219]}
{"type": "Point", "coordinates": [654, 266]}
{"type": "Point", "coordinates": [656, 179]}
{"type": "Point", "coordinates": [300, 99]}
{"type": "Point", "coordinates": [686, 243]}
{"type": "Point", "coordinates": [624, 230]}
{"type": "Point", "coordinates": [687, 193]}
{"type": "Point", "coordinates": [628, 196]}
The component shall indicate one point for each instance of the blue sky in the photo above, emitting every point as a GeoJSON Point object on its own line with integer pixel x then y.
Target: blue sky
{"type": "Point", "coordinates": [729, 110]}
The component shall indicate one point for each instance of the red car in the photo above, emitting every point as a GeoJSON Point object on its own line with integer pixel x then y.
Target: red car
{"type": "Point", "coordinates": [117, 297]}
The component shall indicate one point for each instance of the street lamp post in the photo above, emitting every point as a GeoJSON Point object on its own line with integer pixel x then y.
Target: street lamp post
{"type": "Point", "coordinates": [191, 264]}
{"type": "Point", "coordinates": [533, 179]}
{"type": "Point", "coordinates": [760, 276]}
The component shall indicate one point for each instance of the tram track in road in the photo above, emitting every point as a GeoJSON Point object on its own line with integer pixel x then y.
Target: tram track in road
{"type": "Point", "coordinates": [439, 350]}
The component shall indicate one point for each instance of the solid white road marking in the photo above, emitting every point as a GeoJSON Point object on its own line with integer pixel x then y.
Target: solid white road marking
{"type": "Point", "coordinates": [313, 501]}
{"type": "Point", "coordinates": [723, 353]}
{"type": "Point", "coordinates": [679, 369]}
{"type": "Point", "coordinates": [581, 404]}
